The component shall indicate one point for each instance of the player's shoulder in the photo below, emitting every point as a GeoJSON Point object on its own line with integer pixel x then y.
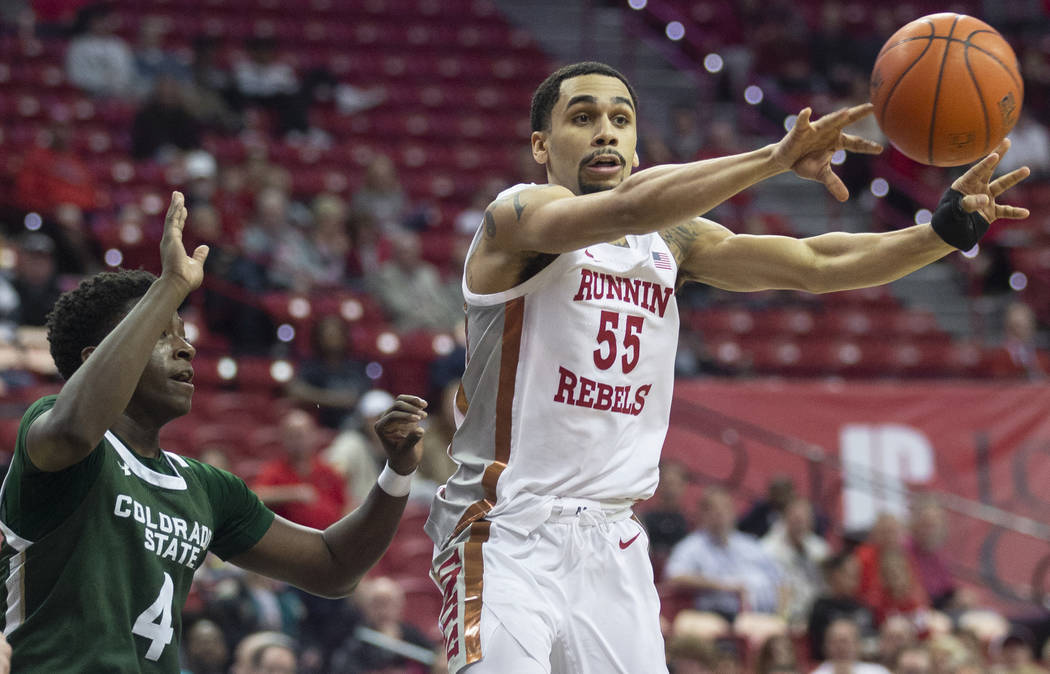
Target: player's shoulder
{"type": "Point", "coordinates": [514, 199]}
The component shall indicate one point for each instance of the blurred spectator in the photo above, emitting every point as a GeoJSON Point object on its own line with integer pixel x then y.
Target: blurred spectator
{"type": "Point", "coordinates": [247, 602]}
{"type": "Point", "coordinates": [929, 531]}
{"type": "Point", "coordinates": [209, 92]}
{"type": "Point", "coordinates": [841, 645]}
{"type": "Point", "coordinates": [1019, 340]}
{"type": "Point", "coordinates": [299, 486]}
{"type": "Point", "coordinates": [914, 660]}
{"type": "Point", "coordinates": [263, 79]}
{"type": "Point", "coordinates": [728, 570]}
{"type": "Point", "coordinates": [382, 604]}
{"type": "Point", "coordinates": [895, 634]}
{"type": "Point", "coordinates": [36, 279]}
{"type": "Point", "coordinates": [52, 174]}
{"type": "Point", "coordinates": [897, 591]}
{"type": "Point", "coordinates": [356, 454]}
{"type": "Point", "coordinates": [153, 61]}
{"type": "Point", "coordinates": [164, 123]}
{"type": "Point", "coordinates": [274, 659]}
{"type": "Point", "coordinates": [469, 219]}
{"type": "Point", "coordinates": [800, 553]}
{"type": "Point", "coordinates": [76, 250]}
{"type": "Point", "coordinates": [330, 378]}
{"type": "Point", "coordinates": [686, 138]}
{"type": "Point", "coordinates": [887, 533]}
{"type": "Point", "coordinates": [765, 512]}
{"type": "Point", "coordinates": [98, 61]}
{"type": "Point", "coordinates": [1017, 655]}
{"type": "Point", "coordinates": [448, 368]}
{"type": "Point", "coordinates": [1030, 147]}
{"type": "Point", "coordinates": [777, 655]}
{"type": "Point", "coordinates": [842, 577]}
{"type": "Point", "coordinates": [665, 523]}
{"type": "Point", "coordinates": [437, 466]}
{"type": "Point", "coordinates": [412, 291]}
{"type": "Point", "coordinates": [337, 262]}
{"type": "Point", "coordinates": [271, 230]}
{"type": "Point", "coordinates": [380, 196]}
{"type": "Point", "coordinates": [249, 646]}
{"type": "Point", "coordinates": [206, 651]}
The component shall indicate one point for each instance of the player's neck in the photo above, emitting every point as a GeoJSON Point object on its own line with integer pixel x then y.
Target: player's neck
{"type": "Point", "coordinates": [142, 440]}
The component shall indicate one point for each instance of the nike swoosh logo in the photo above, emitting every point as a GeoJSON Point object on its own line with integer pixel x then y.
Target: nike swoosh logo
{"type": "Point", "coordinates": [588, 254]}
{"type": "Point", "coordinates": [625, 545]}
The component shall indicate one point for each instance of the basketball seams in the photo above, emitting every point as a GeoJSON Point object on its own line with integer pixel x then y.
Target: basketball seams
{"type": "Point", "coordinates": [937, 90]}
{"type": "Point", "coordinates": [980, 96]}
{"type": "Point", "coordinates": [889, 96]}
{"type": "Point", "coordinates": [1009, 71]}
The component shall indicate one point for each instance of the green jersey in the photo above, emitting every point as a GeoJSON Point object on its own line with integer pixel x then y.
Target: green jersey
{"type": "Point", "coordinates": [97, 558]}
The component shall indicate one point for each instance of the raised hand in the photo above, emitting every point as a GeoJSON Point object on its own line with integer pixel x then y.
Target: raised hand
{"type": "Point", "coordinates": [175, 263]}
{"type": "Point", "coordinates": [400, 433]}
{"type": "Point", "coordinates": [980, 191]}
{"type": "Point", "coordinates": [808, 146]}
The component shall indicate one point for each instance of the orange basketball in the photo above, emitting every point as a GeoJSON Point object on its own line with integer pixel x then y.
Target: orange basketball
{"type": "Point", "coordinates": [946, 89]}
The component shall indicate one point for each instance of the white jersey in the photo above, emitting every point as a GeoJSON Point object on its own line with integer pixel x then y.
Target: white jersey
{"type": "Point", "coordinates": [567, 389]}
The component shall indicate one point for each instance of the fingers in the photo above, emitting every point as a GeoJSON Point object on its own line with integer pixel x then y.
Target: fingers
{"type": "Point", "coordinates": [857, 112]}
{"type": "Point", "coordinates": [1003, 183]}
{"type": "Point", "coordinates": [834, 184]}
{"type": "Point", "coordinates": [859, 145]}
{"type": "Point", "coordinates": [416, 401]}
{"type": "Point", "coordinates": [200, 254]}
{"type": "Point", "coordinates": [1010, 212]}
{"type": "Point", "coordinates": [974, 202]}
{"type": "Point", "coordinates": [802, 119]}
{"type": "Point", "coordinates": [176, 215]}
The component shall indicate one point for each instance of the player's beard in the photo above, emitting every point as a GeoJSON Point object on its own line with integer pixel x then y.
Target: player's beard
{"type": "Point", "coordinates": [591, 188]}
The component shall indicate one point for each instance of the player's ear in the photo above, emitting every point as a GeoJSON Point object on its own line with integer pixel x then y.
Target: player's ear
{"type": "Point", "coordinates": [539, 147]}
{"type": "Point", "coordinates": [637, 161]}
{"type": "Point", "coordinates": [85, 352]}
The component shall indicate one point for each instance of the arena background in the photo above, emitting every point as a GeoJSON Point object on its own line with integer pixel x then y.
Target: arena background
{"type": "Point", "coordinates": [863, 398]}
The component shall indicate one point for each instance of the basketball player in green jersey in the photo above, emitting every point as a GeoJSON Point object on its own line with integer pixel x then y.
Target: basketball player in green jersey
{"type": "Point", "coordinates": [103, 530]}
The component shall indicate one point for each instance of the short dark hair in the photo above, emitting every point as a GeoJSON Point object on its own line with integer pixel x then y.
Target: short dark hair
{"type": "Point", "coordinates": [84, 316]}
{"type": "Point", "coordinates": [547, 93]}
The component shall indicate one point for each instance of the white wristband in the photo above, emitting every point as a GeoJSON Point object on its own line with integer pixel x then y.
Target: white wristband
{"type": "Point", "coordinates": [394, 483]}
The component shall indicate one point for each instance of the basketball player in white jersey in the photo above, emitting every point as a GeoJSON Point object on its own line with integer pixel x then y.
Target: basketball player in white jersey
{"type": "Point", "coordinates": [572, 328]}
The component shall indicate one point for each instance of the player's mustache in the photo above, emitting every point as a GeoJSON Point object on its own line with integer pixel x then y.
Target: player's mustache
{"type": "Point", "coordinates": [600, 153]}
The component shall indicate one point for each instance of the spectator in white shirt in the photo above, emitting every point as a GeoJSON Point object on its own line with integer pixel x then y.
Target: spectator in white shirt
{"type": "Point", "coordinates": [98, 61]}
{"type": "Point", "coordinates": [728, 569]}
{"type": "Point", "coordinates": [800, 553]}
{"type": "Point", "coordinates": [842, 644]}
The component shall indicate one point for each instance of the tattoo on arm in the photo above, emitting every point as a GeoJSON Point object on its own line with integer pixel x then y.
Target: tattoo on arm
{"type": "Point", "coordinates": [490, 219]}
{"type": "Point", "coordinates": [490, 224]}
{"type": "Point", "coordinates": [679, 238]}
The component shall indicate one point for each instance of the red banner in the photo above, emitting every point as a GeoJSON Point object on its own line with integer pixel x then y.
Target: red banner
{"type": "Point", "coordinates": [859, 449]}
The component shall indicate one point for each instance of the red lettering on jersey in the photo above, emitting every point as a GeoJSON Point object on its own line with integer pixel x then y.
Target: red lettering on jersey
{"type": "Point", "coordinates": [586, 389]}
{"type": "Point", "coordinates": [661, 296]}
{"type": "Point", "coordinates": [604, 400]}
{"type": "Point", "coordinates": [631, 288]}
{"type": "Point", "coordinates": [613, 289]}
{"type": "Point", "coordinates": [639, 398]}
{"type": "Point", "coordinates": [586, 278]}
{"type": "Point", "coordinates": [566, 387]}
{"type": "Point", "coordinates": [448, 574]}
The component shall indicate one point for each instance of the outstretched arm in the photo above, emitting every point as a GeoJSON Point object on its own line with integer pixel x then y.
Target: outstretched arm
{"type": "Point", "coordinates": [100, 390]}
{"type": "Point", "coordinates": [551, 219]}
{"type": "Point", "coordinates": [710, 253]}
{"type": "Point", "coordinates": [330, 563]}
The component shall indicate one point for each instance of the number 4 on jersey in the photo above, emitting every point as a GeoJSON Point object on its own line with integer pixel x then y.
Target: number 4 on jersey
{"type": "Point", "coordinates": [610, 320]}
{"type": "Point", "coordinates": [154, 624]}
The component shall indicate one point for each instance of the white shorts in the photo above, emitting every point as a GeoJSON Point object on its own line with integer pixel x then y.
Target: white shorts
{"type": "Point", "coordinates": [576, 594]}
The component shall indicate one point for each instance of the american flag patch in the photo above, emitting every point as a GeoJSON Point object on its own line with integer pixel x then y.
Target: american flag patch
{"type": "Point", "coordinates": [662, 261]}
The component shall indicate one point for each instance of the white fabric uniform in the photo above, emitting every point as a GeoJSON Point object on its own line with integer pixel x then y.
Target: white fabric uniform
{"type": "Point", "coordinates": [566, 395]}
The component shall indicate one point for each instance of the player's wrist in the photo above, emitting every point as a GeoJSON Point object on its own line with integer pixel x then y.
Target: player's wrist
{"type": "Point", "coordinates": [395, 483]}
{"type": "Point", "coordinates": [954, 225]}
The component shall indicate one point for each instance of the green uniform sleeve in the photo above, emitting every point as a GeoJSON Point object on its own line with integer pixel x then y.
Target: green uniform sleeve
{"type": "Point", "coordinates": [35, 501]}
{"type": "Point", "coordinates": [241, 519]}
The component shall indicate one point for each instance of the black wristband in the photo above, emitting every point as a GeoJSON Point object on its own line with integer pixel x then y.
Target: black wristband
{"type": "Point", "coordinates": [953, 224]}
